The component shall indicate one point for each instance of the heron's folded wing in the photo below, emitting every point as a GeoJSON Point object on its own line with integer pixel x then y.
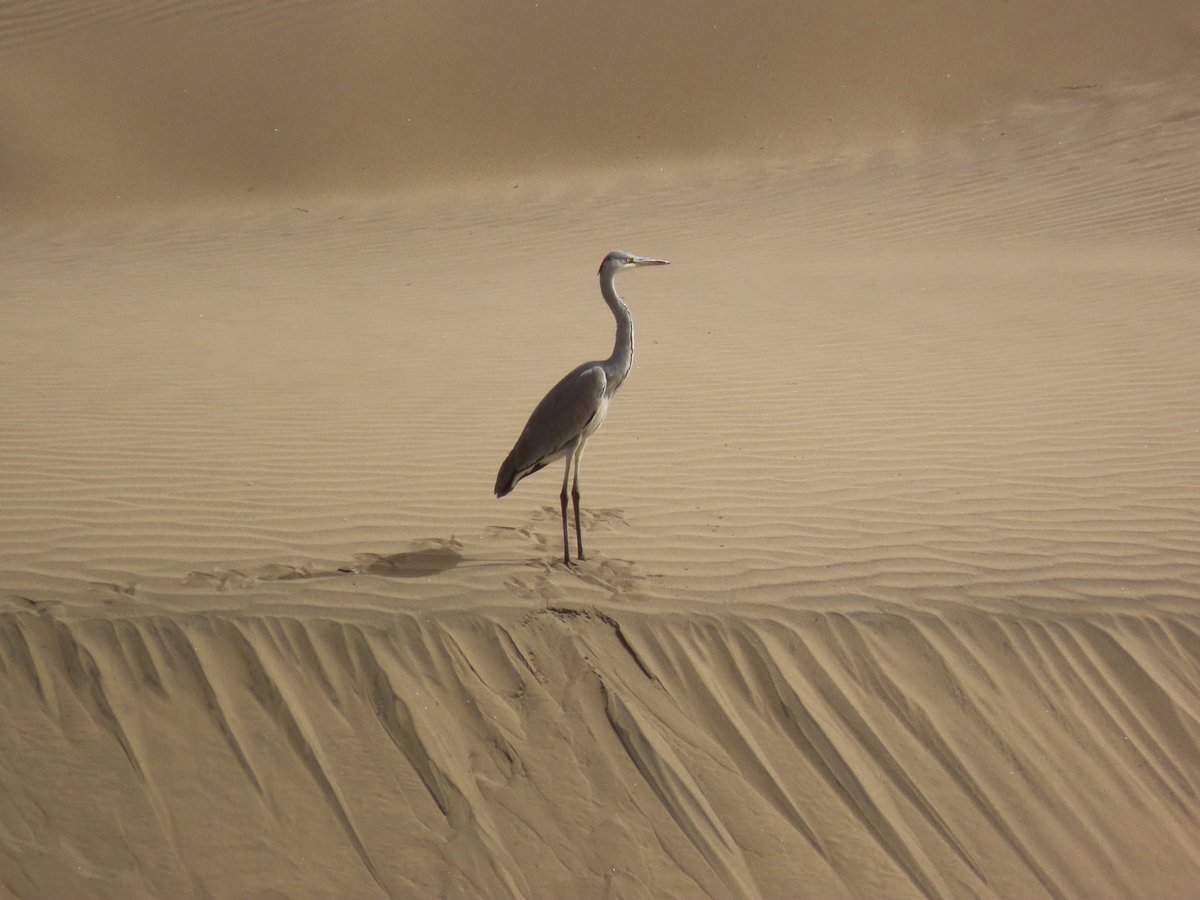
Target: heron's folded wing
{"type": "Point", "coordinates": [554, 424]}
{"type": "Point", "coordinates": [563, 414]}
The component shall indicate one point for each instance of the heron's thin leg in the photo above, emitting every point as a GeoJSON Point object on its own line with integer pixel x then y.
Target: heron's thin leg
{"type": "Point", "coordinates": [563, 504]}
{"type": "Point", "coordinates": [575, 497]}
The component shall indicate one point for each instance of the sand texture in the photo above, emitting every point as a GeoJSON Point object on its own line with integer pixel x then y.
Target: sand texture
{"type": "Point", "coordinates": [893, 532]}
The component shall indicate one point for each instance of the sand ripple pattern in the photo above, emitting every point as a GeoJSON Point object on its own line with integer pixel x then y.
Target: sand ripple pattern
{"type": "Point", "coordinates": [893, 532]}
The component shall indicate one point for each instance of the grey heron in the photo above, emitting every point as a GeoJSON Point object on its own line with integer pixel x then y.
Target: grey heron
{"type": "Point", "coordinates": [570, 413]}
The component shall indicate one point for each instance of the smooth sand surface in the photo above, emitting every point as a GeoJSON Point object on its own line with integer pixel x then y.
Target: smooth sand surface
{"type": "Point", "coordinates": [894, 530]}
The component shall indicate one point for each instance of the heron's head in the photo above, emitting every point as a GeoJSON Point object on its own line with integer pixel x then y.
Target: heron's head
{"type": "Point", "coordinates": [619, 259]}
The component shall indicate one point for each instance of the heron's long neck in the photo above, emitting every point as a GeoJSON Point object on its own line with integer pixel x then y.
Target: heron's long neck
{"type": "Point", "coordinates": [619, 363]}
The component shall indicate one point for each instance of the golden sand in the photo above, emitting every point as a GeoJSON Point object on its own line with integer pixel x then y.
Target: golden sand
{"type": "Point", "coordinates": [893, 529]}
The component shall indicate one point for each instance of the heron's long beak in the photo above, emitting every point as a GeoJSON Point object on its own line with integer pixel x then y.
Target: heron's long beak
{"type": "Point", "coordinates": [647, 261]}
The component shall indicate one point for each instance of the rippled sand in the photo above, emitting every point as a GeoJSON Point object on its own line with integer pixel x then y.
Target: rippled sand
{"type": "Point", "coordinates": [893, 529]}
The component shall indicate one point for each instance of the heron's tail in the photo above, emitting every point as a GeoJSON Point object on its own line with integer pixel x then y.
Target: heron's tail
{"type": "Point", "coordinates": [507, 477]}
{"type": "Point", "coordinates": [511, 473]}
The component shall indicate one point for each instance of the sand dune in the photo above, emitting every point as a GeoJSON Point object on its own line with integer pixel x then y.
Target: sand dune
{"type": "Point", "coordinates": [117, 104]}
{"type": "Point", "coordinates": [559, 750]}
{"type": "Point", "coordinates": [893, 531]}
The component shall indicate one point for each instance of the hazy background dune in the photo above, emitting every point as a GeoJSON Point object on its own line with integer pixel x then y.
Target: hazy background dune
{"type": "Point", "coordinates": [119, 103]}
{"type": "Point", "coordinates": [893, 531]}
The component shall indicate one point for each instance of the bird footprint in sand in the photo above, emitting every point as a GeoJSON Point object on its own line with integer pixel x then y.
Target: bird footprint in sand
{"type": "Point", "coordinates": [535, 587]}
{"type": "Point", "coordinates": [221, 580]}
{"type": "Point", "coordinates": [618, 577]}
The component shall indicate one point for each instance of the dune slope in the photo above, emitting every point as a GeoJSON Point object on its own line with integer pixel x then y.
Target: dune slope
{"type": "Point", "coordinates": [565, 749]}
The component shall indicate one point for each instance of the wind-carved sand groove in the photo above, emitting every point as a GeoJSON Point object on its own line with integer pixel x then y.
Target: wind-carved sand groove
{"type": "Point", "coordinates": [869, 753]}
{"type": "Point", "coordinates": [304, 742]}
{"type": "Point", "coordinates": [678, 792]}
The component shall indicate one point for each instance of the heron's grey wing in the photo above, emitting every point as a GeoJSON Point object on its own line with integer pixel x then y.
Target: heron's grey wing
{"type": "Point", "coordinates": [554, 425]}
